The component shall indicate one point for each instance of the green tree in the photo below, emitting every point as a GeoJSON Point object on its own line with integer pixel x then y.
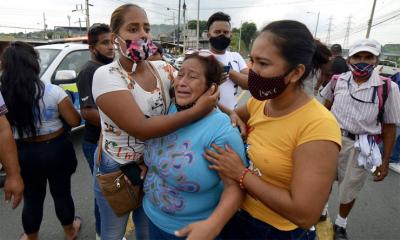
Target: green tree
{"type": "Point", "coordinates": [192, 24]}
{"type": "Point", "coordinates": [249, 33]}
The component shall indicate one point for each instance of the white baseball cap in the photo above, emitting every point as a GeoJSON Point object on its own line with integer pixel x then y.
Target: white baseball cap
{"type": "Point", "coordinates": [365, 45]}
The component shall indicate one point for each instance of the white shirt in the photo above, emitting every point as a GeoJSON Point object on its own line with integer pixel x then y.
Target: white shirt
{"type": "Point", "coordinates": [49, 113]}
{"type": "Point", "coordinates": [358, 117]}
{"type": "Point", "coordinates": [109, 78]}
{"type": "Point", "coordinates": [229, 89]}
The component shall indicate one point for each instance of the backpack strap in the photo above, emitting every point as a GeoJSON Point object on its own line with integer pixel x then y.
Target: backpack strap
{"type": "Point", "coordinates": [334, 80]}
{"type": "Point", "coordinates": [382, 91]}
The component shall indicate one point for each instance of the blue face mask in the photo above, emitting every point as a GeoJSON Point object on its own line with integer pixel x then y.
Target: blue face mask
{"type": "Point", "coordinates": [362, 69]}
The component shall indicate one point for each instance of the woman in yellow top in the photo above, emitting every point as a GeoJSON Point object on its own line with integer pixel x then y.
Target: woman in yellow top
{"type": "Point", "coordinates": [293, 141]}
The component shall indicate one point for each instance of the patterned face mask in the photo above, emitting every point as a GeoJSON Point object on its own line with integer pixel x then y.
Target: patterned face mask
{"type": "Point", "coordinates": [138, 50]}
{"type": "Point", "coordinates": [262, 88]}
{"type": "Point", "coordinates": [361, 69]}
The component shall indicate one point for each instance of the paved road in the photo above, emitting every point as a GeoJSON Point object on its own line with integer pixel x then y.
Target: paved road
{"type": "Point", "coordinates": [376, 215]}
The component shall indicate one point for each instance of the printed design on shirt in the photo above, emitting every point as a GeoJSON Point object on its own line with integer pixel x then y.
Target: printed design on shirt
{"type": "Point", "coordinates": [252, 166]}
{"type": "Point", "coordinates": [128, 78]}
{"type": "Point", "coordinates": [3, 109]}
{"type": "Point", "coordinates": [156, 104]}
{"type": "Point", "coordinates": [166, 177]}
{"type": "Point", "coordinates": [235, 86]}
{"type": "Point", "coordinates": [170, 71]}
{"type": "Point", "coordinates": [129, 152]}
{"type": "Point", "coordinates": [50, 113]}
{"type": "Point", "coordinates": [111, 129]}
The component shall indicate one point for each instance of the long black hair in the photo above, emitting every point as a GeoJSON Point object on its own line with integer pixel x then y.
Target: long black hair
{"type": "Point", "coordinates": [21, 87]}
{"type": "Point", "coordinates": [297, 46]}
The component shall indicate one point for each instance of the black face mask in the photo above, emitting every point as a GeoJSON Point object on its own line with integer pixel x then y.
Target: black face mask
{"type": "Point", "coordinates": [102, 58]}
{"type": "Point", "coordinates": [181, 108]}
{"type": "Point", "coordinates": [220, 43]}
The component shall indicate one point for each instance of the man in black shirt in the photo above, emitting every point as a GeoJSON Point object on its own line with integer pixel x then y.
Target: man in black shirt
{"type": "Point", "coordinates": [102, 52]}
{"type": "Point", "coordinates": [336, 65]}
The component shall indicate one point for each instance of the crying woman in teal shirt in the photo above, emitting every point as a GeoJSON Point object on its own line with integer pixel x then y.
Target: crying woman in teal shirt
{"type": "Point", "coordinates": [181, 192]}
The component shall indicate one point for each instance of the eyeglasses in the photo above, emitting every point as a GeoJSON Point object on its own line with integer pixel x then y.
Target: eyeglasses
{"type": "Point", "coordinates": [201, 53]}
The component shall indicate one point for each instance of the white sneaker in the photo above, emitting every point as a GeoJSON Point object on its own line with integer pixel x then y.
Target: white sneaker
{"type": "Point", "coordinates": [395, 167]}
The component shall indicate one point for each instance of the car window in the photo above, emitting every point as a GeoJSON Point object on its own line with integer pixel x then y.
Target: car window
{"type": "Point", "coordinates": [74, 61]}
{"type": "Point", "coordinates": [46, 57]}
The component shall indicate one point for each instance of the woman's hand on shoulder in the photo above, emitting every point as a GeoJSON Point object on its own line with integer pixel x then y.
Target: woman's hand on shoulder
{"type": "Point", "coordinates": [237, 122]}
{"type": "Point", "coordinates": [225, 161]}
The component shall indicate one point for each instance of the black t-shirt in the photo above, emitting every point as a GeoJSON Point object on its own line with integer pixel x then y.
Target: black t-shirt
{"type": "Point", "coordinates": [339, 65]}
{"type": "Point", "coordinates": [84, 84]}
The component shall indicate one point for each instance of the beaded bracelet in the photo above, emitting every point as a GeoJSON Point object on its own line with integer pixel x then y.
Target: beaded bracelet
{"type": "Point", "coordinates": [245, 171]}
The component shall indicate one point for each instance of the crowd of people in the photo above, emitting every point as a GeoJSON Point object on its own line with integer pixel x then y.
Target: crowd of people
{"type": "Point", "coordinates": [191, 162]}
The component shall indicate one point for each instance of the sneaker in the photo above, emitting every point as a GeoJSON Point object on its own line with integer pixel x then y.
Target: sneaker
{"type": "Point", "coordinates": [395, 167]}
{"type": "Point", "coordinates": [339, 233]}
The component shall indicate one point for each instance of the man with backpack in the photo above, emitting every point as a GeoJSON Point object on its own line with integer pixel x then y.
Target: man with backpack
{"type": "Point", "coordinates": [367, 109]}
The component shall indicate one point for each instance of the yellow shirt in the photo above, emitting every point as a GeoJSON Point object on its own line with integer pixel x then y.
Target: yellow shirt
{"type": "Point", "coordinates": [271, 144]}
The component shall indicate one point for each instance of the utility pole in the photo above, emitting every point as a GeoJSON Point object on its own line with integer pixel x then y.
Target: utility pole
{"type": "Point", "coordinates": [240, 34]}
{"type": "Point", "coordinates": [346, 37]}
{"type": "Point", "coordinates": [87, 15]}
{"type": "Point", "coordinates": [173, 16]}
{"type": "Point", "coordinates": [44, 26]}
{"type": "Point", "coordinates": [84, 11]}
{"type": "Point", "coordinates": [198, 24]}
{"type": "Point", "coordinates": [184, 26]}
{"type": "Point", "coordinates": [80, 25]}
{"type": "Point", "coordinates": [179, 26]}
{"type": "Point", "coordinates": [328, 35]}
{"type": "Point", "coordinates": [69, 25]}
{"type": "Point", "coordinates": [370, 19]}
{"type": "Point", "coordinates": [316, 25]}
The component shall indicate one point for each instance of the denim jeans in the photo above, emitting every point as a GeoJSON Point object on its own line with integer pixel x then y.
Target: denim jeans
{"type": "Point", "coordinates": [156, 233]}
{"type": "Point", "coordinates": [243, 226]}
{"type": "Point", "coordinates": [112, 226]}
{"type": "Point", "coordinates": [395, 157]}
{"type": "Point", "coordinates": [89, 150]}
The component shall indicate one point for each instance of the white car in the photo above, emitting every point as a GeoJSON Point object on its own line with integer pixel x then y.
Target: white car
{"type": "Point", "coordinates": [60, 64]}
{"type": "Point", "coordinates": [178, 62]}
{"type": "Point", "coordinates": [387, 68]}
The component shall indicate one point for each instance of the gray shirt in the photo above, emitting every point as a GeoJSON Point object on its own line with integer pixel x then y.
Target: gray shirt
{"type": "Point", "coordinates": [360, 117]}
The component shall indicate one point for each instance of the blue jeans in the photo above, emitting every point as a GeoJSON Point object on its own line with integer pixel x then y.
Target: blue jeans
{"type": "Point", "coordinates": [243, 226]}
{"type": "Point", "coordinates": [395, 157]}
{"type": "Point", "coordinates": [89, 150]}
{"type": "Point", "coordinates": [112, 226]}
{"type": "Point", "coordinates": [156, 233]}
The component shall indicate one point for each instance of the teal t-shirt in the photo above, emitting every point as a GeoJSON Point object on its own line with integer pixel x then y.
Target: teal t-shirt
{"type": "Point", "coordinates": [179, 187]}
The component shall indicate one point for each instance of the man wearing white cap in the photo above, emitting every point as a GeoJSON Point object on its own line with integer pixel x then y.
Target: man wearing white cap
{"type": "Point", "coordinates": [364, 104]}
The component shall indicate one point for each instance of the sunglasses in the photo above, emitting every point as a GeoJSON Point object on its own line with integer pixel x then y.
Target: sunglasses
{"type": "Point", "coordinates": [202, 53]}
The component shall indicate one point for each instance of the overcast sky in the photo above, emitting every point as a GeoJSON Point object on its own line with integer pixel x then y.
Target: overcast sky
{"type": "Point", "coordinates": [29, 14]}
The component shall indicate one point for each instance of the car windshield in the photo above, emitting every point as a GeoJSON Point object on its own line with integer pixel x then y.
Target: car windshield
{"type": "Point", "coordinates": [46, 58]}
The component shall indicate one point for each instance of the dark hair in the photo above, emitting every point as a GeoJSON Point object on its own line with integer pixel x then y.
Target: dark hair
{"type": "Point", "coordinates": [117, 17]}
{"type": "Point", "coordinates": [336, 49]}
{"type": "Point", "coordinates": [218, 16]}
{"type": "Point", "coordinates": [95, 31]}
{"type": "Point", "coordinates": [297, 46]}
{"type": "Point", "coordinates": [21, 87]}
{"type": "Point", "coordinates": [213, 68]}
{"type": "Point", "coordinates": [160, 49]}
